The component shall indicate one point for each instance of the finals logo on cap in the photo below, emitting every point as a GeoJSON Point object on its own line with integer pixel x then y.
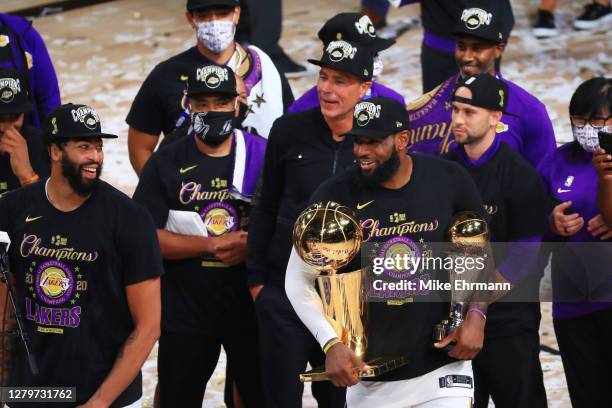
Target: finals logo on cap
{"type": "Point", "coordinates": [87, 116]}
{"type": "Point", "coordinates": [212, 75]}
{"type": "Point", "coordinates": [9, 87]}
{"type": "Point", "coordinates": [365, 112]}
{"type": "Point", "coordinates": [340, 50]}
{"type": "Point", "coordinates": [474, 18]}
{"type": "Point", "coordinates": [365, 26]}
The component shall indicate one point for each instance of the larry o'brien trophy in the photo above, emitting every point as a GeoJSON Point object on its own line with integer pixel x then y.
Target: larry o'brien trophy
{"type": "Point", "coordinates": [469, 236]}
{"type": "Point", "coordinates": [327, 236]}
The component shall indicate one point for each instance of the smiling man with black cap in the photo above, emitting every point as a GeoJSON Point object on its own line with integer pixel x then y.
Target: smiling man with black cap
{"type": "Point", "coordinates": [23, 156]}
{"type": "Point", "coordinates": [159, 107]}
{"type": "Point", "coordinates": [211, 174]}
{"type": "Point", "coordinates": [389, 189]}
{"type": "Point", "coordinates": [358, 29]}
{"type": "Point", "coordinates": [303, 150]}
{"type": "Point", "coordinates": [508, 367]}
{"type": "Point", "coordinates": [86, 267]}
{"type": "Point", "coordinates": [481, 31]}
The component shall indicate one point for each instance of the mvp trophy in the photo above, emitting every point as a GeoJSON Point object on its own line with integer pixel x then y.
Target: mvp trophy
{"type": "Point", "coordinates": [326, 236]}
{"type": "Point", "coordinates": [469, 235]}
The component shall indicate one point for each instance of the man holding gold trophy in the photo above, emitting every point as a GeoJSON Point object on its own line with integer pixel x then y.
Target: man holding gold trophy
{"type": "Point", "coordinates": [391, 202]}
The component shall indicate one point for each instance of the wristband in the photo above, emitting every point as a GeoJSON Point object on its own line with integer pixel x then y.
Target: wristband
{"type": "Point", "coordinates": [478, 311]}
{"type": "Point", "coordinates": [330, 344]}
{"type": "Point", "coordinates": [30, 180]}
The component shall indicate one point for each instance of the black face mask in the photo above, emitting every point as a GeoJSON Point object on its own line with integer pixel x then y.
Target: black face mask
{"type": "Point", "coordinates": [243, 109]}
{"type": "Point", "coordinates": [213, 128]}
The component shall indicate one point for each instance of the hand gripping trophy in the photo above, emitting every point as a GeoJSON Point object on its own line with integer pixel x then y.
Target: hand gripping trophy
{"type": "Point", "coordinates": [327, 236]}
{"type": "Point", "coordinates": [469, 236]}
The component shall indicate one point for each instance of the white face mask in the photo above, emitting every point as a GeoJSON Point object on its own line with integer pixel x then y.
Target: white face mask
{"type": "Point", "coordinates": [378, 67]}
{"type": "Point", "coordinates": [216, 35]}
{"type": "Point", "coordinates": [587, 136]}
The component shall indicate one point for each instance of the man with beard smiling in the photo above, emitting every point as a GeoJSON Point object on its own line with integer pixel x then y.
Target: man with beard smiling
{"type": "Point", "coordinates": [85, 263]}
{"type": "Point", "coordinates": [482, 32]}
{"type": "Point", "coordinates": [303, 150]}
{"type": "Point", "coordinates": [387, 183]}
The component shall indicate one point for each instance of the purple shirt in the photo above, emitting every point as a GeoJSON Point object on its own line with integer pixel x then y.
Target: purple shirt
{"type": "Point", "coordinates": [33, 60]}
{"type": "Point", "coordinates": [311, 99]}
{"type": "Point", "coordinates": [569, 175]}
{"type": "Point", "coordinates": [528, 130]}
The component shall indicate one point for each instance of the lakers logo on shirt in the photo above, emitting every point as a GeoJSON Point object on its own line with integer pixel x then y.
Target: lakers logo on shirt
{"type": "Point", "coordinates": [220, 218]}
{"type": "Point", "coordinates": [54, 282]}
{"type": "Point", "coordinates": [4, 40]}
{"type": "Point", "coordinates": [476, 17]}
{"type": "Point", "coordinates": [402, 248]}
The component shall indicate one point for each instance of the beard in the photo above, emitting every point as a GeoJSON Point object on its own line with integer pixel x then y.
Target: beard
{"type": "Point", "coordinates": [72, 172]}
{"type": "Point", "coordinates": [383, 172]}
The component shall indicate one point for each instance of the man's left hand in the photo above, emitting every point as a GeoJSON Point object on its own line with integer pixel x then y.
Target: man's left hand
{"type": "Point", "coordinates": [13, 143]}
{"type": "Point", "coordinates": [468, 337]}
{"type": "Point", "coordinates": [603, 164]}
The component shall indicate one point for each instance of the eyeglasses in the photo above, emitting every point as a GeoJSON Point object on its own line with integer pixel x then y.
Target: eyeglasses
{"type": "Point", "coordinates": [596, 121]}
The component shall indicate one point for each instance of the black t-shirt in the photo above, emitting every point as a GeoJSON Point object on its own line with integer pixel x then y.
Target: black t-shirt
{"type": "Point", "coordinates": [71, 270]}
{"type": "Point", "coordinates": [301, 153]}
{"type": "Point", "coordinates": [39, 159]}
{"type": "Point", "coordinates": [160, 101]}
{"type": "Point", "coordinates": [441, 16]}
{"type": "Point", "coordinates": [197, 293]}
{"type": "Point", "coordinates": [512, 193]}
{"type": "Point", "coordinates": [436, 191]}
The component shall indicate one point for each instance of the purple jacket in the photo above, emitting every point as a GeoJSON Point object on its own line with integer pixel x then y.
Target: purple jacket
{"type": "Point", "coordinates": [528, 129]}
{"type": "Point", "coordinates": [311, 100]}
{"type": "Point", "coordinates": [30, 56]}
{"type": "Point", "coordinates": [568, 175]}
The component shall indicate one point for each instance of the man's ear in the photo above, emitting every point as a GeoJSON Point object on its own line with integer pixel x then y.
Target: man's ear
{"type": "Point", "coordinates": [363, 89]}
{"type": "Point", "coordinates": [190, 19]}
{"type": "Point", "coordinates": [495, 118]}
{"type": "Point", "coordinates": [55, 152]}
{"type": "Point", "coordinates": [401, 140]}
{"type": "Point", "coordinates": [236, 15]}
{"type": "Point", "coordinates": [499, 50]}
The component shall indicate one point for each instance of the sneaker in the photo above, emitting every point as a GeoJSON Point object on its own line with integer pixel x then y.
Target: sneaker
{"type": "Point", "coordinates": [287, 66]}
{"type": "Point", "coordinates": [545, 25]}
{"type": "Point", "coordinates": [594, 14]}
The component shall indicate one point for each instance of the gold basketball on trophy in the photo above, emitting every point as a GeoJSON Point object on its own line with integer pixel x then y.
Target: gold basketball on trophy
{"type": "Point", "coordinates": [468, 231]}
{"type": "Point", "coordinates": [327, 236]}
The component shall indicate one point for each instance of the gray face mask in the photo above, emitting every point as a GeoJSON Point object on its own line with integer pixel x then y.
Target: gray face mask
{"type": "Point", "coordinates": [216, 35]}
{"type": "Point", "coordinates": [587, 137]}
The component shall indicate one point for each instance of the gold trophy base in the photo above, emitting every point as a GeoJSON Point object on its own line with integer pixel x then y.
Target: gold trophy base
{"type": "Point", "coordinates": [378, 366]}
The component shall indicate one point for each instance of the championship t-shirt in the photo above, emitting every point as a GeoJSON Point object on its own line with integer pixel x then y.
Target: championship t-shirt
{"type": "Point", "coordinates": [196, 291]}
{"type": "Point", "coordinates": [39, 160]}
{"type": "Point", "coordinates": [411, 217]}
{"type": "Point", "coordinates": [71, 270]}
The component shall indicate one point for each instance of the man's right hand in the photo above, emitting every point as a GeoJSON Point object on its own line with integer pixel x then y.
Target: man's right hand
{"type": "Point", "coordinates": [565, 225]}
{"type": "Point", "coordinates": [343, 366]}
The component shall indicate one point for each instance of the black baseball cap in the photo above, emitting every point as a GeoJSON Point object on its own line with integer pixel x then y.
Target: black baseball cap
{"type": "Point", "coordinates": [347, 57]}
{"type": "Point", "coordinates": [14, 97]}
{"type": "Point", "coordinates": [488, 92]}
{"type": "Point", "coordinates": [211, 79]}
{"type": "Point", "coordinates": [379, 117]}
{"type": "Point", "coordinates": [356, 28]}
{"type": "Point", "coordinates": [72, 121]}
{"type": "Point", "coordinates": [488, 20]}
{"type": "Point", "coordinates": [200, 4]}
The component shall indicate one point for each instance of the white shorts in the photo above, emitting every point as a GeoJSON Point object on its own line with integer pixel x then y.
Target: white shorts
{"type": "Point", "coordinates": [450, 386]}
